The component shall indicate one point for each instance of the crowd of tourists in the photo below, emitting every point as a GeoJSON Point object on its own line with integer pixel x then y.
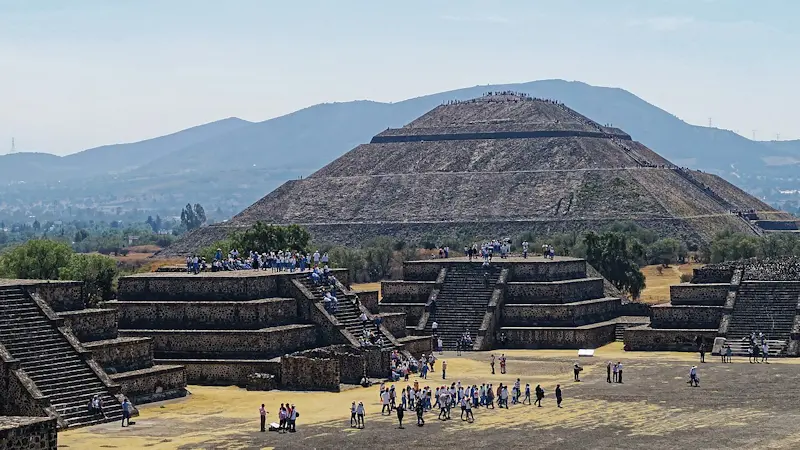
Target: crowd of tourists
{"type": "Point", "coordinates": [287, 418]}
{"type": "Point", "coordinates": [275, 261]}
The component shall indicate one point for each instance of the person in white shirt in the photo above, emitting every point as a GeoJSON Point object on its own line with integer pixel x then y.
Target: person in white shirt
{"type": "Point", "coordinates": [360, 415]}
{"type": "Point", "coordinates": [353, 420]}
{"type": "Point", "coordinates": [693, 380]}
{"type": "Point", "coordinates": [385, 398]}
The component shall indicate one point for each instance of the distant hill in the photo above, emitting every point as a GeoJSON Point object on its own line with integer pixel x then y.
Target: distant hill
{"type": "Point", "coordinates": [235, 162]}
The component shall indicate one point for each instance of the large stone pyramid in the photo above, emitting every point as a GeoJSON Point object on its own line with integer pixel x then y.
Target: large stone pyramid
{"type": "Point", "coordinates": [497, 166]}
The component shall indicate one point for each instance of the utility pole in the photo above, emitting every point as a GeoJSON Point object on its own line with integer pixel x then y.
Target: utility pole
{"type": "Point", "coordinates": [778, 137]}
{"type": "Point", "coordinates": [754, 135]}
{"type": "Point", "coordinates": [13, 146]}
{"type": "Point", "coordinates": [709, 122]}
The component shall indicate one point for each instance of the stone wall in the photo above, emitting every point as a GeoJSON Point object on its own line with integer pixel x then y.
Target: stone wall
{"type": "Point", "coordinates": [122, 354]}
{"type": "Point", "coordinates": [645, 338]}
{"type": "Point", "coordinates": [203, 315]}
{"type": "Point", "coordinates": [395, 323]}
{"type": "Point", "coordinates": [228, 344]}
{"type": "Point", "coordinates": [59, 295]}
{"type": "Point", "coordinates": [674, 316]}
{"type": "Point", "coordinates": [712, 274]}
{"type": "Point", "coordinates": [28, 433]}
{"type": "Point", "coordinates": [309, 374]}
{"type": "Point", "coordinates": [217, 372]}
{"type": "Point", "coordinates": [221, 286]}
{"type": "Point", "coordinates": [369, 299]}
{"type": "Point", "coordinates": [417, 345]}
{"type": "Point", "coordinates": [699, 294]}
{"type": "Point", "coordinates": [413, 311]}
{"type": "Point", "coordinates": [406, 291]}
{"type": "Point", "coordinates": [91, 324]}
{"type": "Point", "coordinates": [149, 385]}
{"type": "Point", "coordinates": [554, 292]}
{"type": "Point", "coordinates": [556, 337]}
{"type": "Point", "coordinates": [352, 363]}
{"type": "Point", "coordinates": [540, 269]}
{"type": "Point", "coordinates": [421, 270]}
{"type": "Point", "coordinates": [561, 315]}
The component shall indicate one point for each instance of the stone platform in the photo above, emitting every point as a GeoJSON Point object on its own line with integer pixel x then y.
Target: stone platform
{"type": "Point", "coordinates": [533, 302]}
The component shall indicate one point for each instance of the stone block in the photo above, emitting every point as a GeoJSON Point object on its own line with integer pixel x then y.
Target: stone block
{"type": "Point", "coordinates": [406, 291]}
{"type": "Point", "coordinates": [28, 433]}
{"type": "Point", "coordinates": [223, 372]}
{"type": "Point", "coordinates": [204, 315]}
{"type": "Point", "coordinates": [309, 374]}
{"type": "Point", "coordinates": [122, 354]}
{"type": "Point", "coordinates": [682, 316]}
{"type": "Point", "coordinates": [590, 336]}
{"type": "Point", "coordinates": [568, 291]}
{"type": "Point", "coordinates": [152, 384]}
{"type": "Point", "coordinates": [699, 294]}
{"type": "Point", "coordinates": [644, 338]}
{"type": "Point", "coordinates": [93, 324]}
{"type": "Point", "coordinates": [560, 315]}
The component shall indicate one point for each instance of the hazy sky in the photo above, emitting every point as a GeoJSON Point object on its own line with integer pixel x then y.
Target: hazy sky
{"type": "Point", "coordinates": [82, 73]}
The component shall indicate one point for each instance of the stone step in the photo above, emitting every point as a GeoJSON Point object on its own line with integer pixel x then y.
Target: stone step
{"type": "Point", "coordinates": [68, 369]}
{"type": "Point", "coordinates": [64, 375]}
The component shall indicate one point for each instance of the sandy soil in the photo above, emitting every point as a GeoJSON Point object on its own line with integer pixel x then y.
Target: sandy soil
{"type": "Point", "coordinates": [654, 408]}
{"type": "Point", "coordinates": [657, 290]}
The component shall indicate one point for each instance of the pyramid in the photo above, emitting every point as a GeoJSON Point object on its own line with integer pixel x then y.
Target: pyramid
{"type": "Point", "coordinates": [500, 165]}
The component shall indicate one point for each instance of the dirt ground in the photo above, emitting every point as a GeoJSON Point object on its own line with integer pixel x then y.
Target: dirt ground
{"type": "Point", "coordinates": [657, 289]}
{"type": "Point", "coordinates": [737, 405]}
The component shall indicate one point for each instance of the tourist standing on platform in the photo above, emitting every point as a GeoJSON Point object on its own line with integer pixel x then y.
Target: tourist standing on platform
{"type": "Point", "coordinates": [353, 420]}
{"type": "Point", "coordinates": [525, 249]}
{"type": "Point", "coordinates": [728, 352]}
{"type": "Point", "coordinates": [503, 363]}
{"type": "Point", "coordinates": [614, 370]}
{"type": "Point", "coordinates": [619, 371]}
{"type": "Point", "coordinates": [491, 363]}
{"type": "Point", "coordinates": [444, 369]}
{"type": "Point", "coordinates": [702, 353]}
{"type": "Point", "coordinates": [558, 395]}
{"type": "Point", "coordinates": [293, 415]}
{"type": "Point", "coordinates": [576, 369]}
{"type": "Point", "coordinates": [608, 372]}
{"type": "Point", "coordinates": [764, 352]}
{"type": "Point", "coordinates": [263, 413]}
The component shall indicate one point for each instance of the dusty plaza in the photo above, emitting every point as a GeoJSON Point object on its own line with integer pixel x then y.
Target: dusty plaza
{"type": "Point", "coordinates": [737, 405]}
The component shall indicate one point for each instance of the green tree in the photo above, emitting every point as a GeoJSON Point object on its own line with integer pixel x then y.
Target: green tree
{"type": "Point", "coordinates": [665, 251]}
{"type": "Point", "coordinates": [614, 255]}
{"type": "Point", "coordinates": [193, 217]}
{"type": "Point", "coordinates": [264, 237]}
{"type": "Point", "coordinates": [96, 271]}
{"type": "Point", "coordinates": [40, 259]}
{"type": "Point", "coordinates": [80, 235]}
{"type": "Point", "coordinates": [347, 258]}
{"type": "Point", "coordinates": [378, 257]}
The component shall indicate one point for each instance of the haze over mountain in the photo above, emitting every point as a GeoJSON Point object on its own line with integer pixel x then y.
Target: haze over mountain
{"type": "Point", "coordinates": [231, 163]}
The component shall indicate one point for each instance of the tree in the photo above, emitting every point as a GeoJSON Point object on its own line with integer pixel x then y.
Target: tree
{"type": "Point", "coordinates": [263, 237]}
{"type": "Point", "coordinates": [664, 251]}
{"type": "Point", "coordinates": [96, 271]}
{"type": "Point", "coordinates": [347, 258]}
{"type": "Point", "coordinates": [378, 256]}
{"type": "Point", "coordinates": [39, 259]}
{"type": "Point", "coordinates": [36, 225]}
{"type": "Point", "coordinates": [80, 235]}
{"type": "Point", "coordinates": [614, 255]}
{"type": "Point", "coordinates": [193, 217]}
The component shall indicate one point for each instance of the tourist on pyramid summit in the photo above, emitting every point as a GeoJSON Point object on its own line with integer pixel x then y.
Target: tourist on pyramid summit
{"type": "Point", "coordinates": [316, 258]}
{"type": "Point", "coordinates": [525, 249]}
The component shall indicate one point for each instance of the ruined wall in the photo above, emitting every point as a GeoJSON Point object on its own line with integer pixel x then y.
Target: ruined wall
{"type": "Point", "coordinates": [122, 354]}
{"type": "Point", "coordinates": [554, 292]}
{"type": "Point", "coordinates": [563, 315]}
{"type": "Point", "coordinates": [552, 337]}
{"type": "Point", "coordinates": [309, 374]}
{"type": "Point", "coordinates": [166, 287]}
{"type": "Point", "coordinates": [680, 340]}
{"type": "Point", "coordinates": [228, 344]}
{"type": "Point", "coordinates": [406, 291]}
{"type": "Point", "coordinates": [145, 386]}
{"type": "Point", "coordinates": [203, 315]}
{"type": "Point", "coordinates": [417, 345]}
{"type": "Point", "coordinates": [352, 362]}
{"type": "Point", "coordinates": [712, 274]}
{"type": "Point", "coordinates": [212, 372]}
{"type": "Point", "coordinates": [28, 433]}
{"type": "Point", "coordinates": [91, 324]}
{"type": "Point", "coordinates": [59, 295]}
{"type": "Point", "coordinates": [699, 294]}
{"type": "Point", "coordinates": [673, 316]}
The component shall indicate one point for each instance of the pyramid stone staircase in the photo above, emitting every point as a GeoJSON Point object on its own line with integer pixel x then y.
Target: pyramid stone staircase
{"type": "Point", "coordinates": [461, 302]}
{"type": "Point", "coordinates": [768, 307]}
{"type": "Point", "coordinates": [60, 369]}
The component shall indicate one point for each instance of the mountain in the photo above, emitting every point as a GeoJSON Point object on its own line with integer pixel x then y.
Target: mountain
{"type": "Point", "coordinates": [118, 158]}
{"type": "Point", "coordinates": [499, 165]}
{"type": "Point", "coordinates": [232, 163]}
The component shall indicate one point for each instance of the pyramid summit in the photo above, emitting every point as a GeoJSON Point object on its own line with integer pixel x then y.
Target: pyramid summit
{"type": "Point", "coordinates": [500, 165]}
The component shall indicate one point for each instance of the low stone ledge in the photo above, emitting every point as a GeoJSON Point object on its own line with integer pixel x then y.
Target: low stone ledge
{"type": "Point", "coordinates": [549, 292]}
{"type": "Point", "coordinates": [395, 323]}
{"type": "Point", "coordinates": [413, 311]}
{"type": "Point", "coordinates": [684, 316]}
{"type": "Point", "coordinates": [152, 384]}
{"type": "Point", "coordinates": [93, 324]}
{"type": "Point", "coordinates": [417, 345]}
{"type": "Point", "coordinates": [560, 314]}
{"type": "Point", "coordinates": [589, 336]}
{"type": "Point", "coordinates": [122, 354]}
{"type": "Point", "coordinates": [689, 294]}
{"type": "Point", "coordinates": [406, 291]}
{"type": "Point", "coordinates": [204, 315]}
{"type": "Point", "coordinates": [239, 344]}
{"type": "Point", "coordinates": [28, 433]}
{"type": "Point", "coordinates": [645, 338]}
{"type": "Point", "coordinates": [224, 372]}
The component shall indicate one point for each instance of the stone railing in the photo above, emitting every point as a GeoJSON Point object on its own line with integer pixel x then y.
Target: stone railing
{"type": "Point", "coordinates": [730, 302]}
{"type": "Point", "coordinates": [19, 395]}
{"type": "Point", "coordinates": [437, 287]}
{"type": "Point", "coordinates": [485, 338]}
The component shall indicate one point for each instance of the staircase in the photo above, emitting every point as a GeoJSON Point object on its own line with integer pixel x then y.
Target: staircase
{"type": "Point", "coordinates": [765, 306]}
{"type": "Point", "coordinates": [462, 301]}
{"type": "Point", "coordinates": [739, 347]}
{"type": "Point", "coordinates": [46, 356]}
{"type": "Point", "coordinates": [619, 329]}
{"type": "Point", "coordinates": [347, 313]}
